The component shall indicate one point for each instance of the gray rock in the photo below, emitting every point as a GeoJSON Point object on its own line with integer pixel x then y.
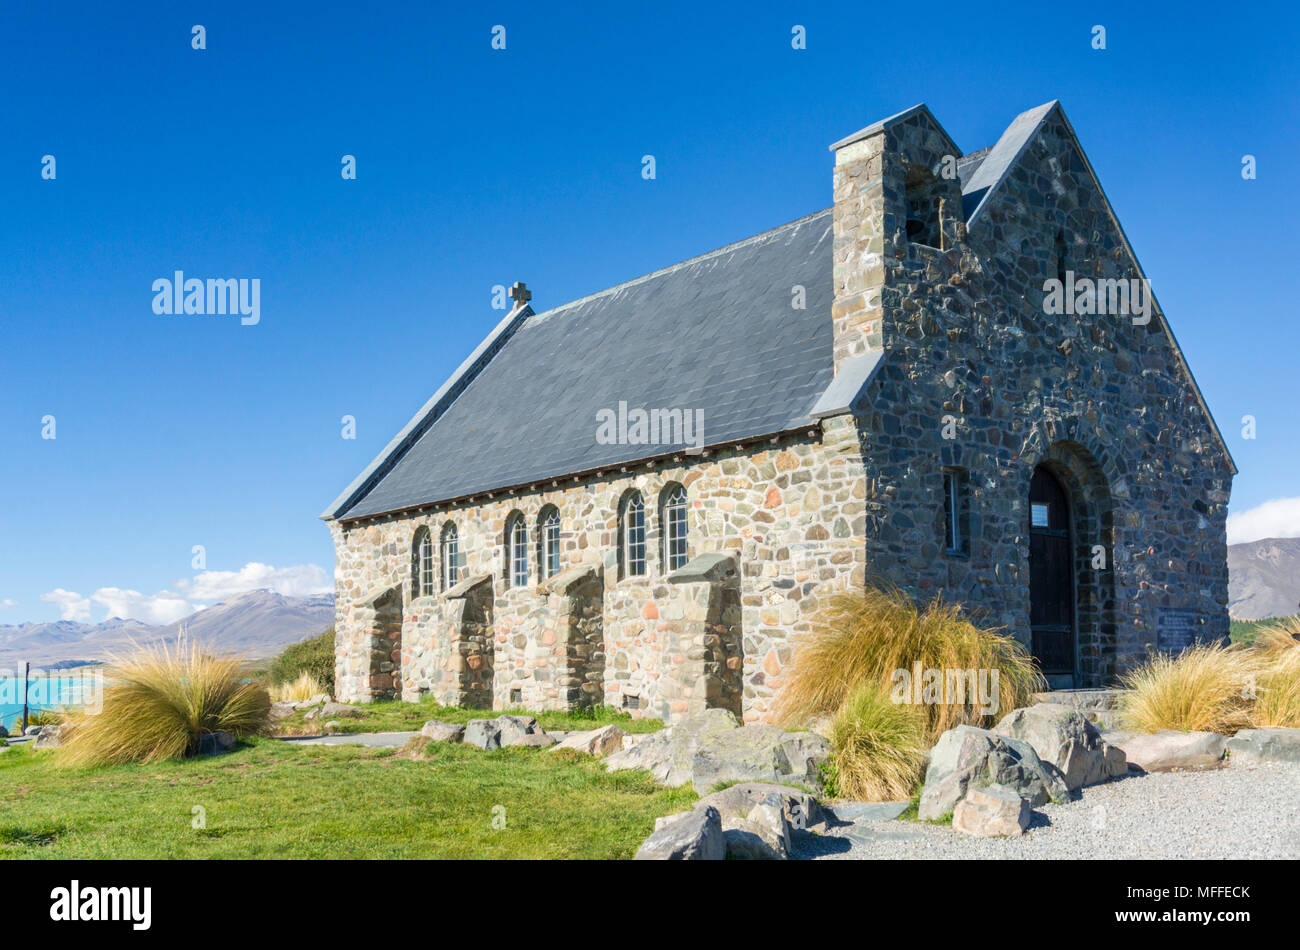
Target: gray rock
{"type": "Point", "coordinates": [514, 728]}
{"type": "Point", "coordinates": [47, 737]}
{"type": "Point", "coordinates": [712, 748]}
{"type": "Point", "coordinates": [343, 710]}
{"type": "Point", "coordinates": [533, 739]}
{"type": "Point", "coordinates": [691, 836]}
{"type": "Point", "coordinates": [1265, 745]}
{"type": "Point", "coordinates": [4, 733]}
{"type": "Point", "coordinates": [484, 733]}
{"type": "Point", "coordinates": [1064, 739]}
{"type": "Point", "coordinates": [600, 742]}
{"type": "Point", "coordinates": [994, 811]}
{"type": "Point", "coordinates": [333, 726]}
{"type": "Point", "coordinates": [316, 700]}
{"type": "Point", "coordinates": [443, 731]}
{"type": "Point", "coordinates": [215, 743]}
{"type": "Point", "coordinates": [1168, 751]}
{"type": "Point", "coordinates": [966, 757]}
{"type": "Point", "coordinates": [34, 730]}
{"type": "Point", "coordinates": [799, 809]}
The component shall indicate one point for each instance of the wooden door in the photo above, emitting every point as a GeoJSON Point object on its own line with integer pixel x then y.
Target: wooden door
{"type": "Point", "coordinates": [1051, 575]}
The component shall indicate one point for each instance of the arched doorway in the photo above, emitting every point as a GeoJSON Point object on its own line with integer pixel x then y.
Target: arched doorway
{"type": "Point", "coordinates": [1052, 579]}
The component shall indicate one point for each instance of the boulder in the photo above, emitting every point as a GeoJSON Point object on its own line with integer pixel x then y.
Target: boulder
{"type": "Point", "coordinates": [343, 710]}
{"type": "Point", "coordinates": [762, 835]}
{"type": "Point", "coordinates": [443, 731]}
{"type": "Point", "coordinates": [532, 739]}
{"type": "Point", "coordinates": [34, 730]}
{"type": "Point", "coordinates": [316, 700]}
{"type": "Point", "coordinates": [799, 809]}
{"type": "Point", "coordinates": [1169, 751]}
{"type": "Point", "coordinates": [484, 733]}
{"type": "Point", "coordinates": [333, 727]}
{"type": "Point", "coordinates": [994, 811]}
{"type": "Point", "coordinates": [4, 733]}
{"type": "Point", "coordinates": [966, 757]}
{"type": "Point", "coordinates": [47, 737]}
{"type": "Point", "coordinates": [215, 743]}
{"type": "Point", "coordinates": [283, 710]}
{"type": "Point", "coordinates": [1065, 740]}
{"type": "Point", "coordinates": [599, 742]}
{"type": "Point", "coordinates": [1265, 745]}
{"type": "Point", "coordinates": [691, 836]}
{"type": "Point", "coordinates": [498, 732]}
{"type": "Point", "coordinates": [712, 748]}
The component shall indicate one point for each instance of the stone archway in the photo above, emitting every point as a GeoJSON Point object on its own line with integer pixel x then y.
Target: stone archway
{"type": "Point", "coordinates": [1091, 532]}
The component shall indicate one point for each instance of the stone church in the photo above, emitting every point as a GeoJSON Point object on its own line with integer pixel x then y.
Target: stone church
{"type": "Point", "coordinates": [954, 380]}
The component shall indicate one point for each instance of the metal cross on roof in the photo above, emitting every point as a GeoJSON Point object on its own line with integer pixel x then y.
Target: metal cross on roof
{"type": "Point", "coordinates": [520, 293]}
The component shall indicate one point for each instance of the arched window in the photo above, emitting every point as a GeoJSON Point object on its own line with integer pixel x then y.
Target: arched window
{"type": "Point", "coordinates": [548, 542]}
{"type": "Point", "coordinates": [516, 551]}
{"type": "Point", "coordinates": [422, 566]}
{"type": "Point", "coordinates": [450, 552]}
{"type": "Point", "coordinates": [631, 535]}
{"type": "Point", "coordinates": [672, 521]}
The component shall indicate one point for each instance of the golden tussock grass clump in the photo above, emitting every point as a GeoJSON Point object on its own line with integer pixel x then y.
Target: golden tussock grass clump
{"type": "Point", "coordinates": [299, 690]}
{"type": "Point", "coordinates": [862, 639]}
{"type": "Point", "coordinates": [879, 746]}
{"type": "Point", "coordinates": [159, 701]}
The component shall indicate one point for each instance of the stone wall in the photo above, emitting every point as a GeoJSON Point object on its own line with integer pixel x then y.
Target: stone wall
{"type": "Point", "coordinates": [1104, 403]}
{"type": "Point", "coordinates": [787, 512]}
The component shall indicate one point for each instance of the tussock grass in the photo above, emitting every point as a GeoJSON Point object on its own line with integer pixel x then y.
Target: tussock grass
{"type": "Point", "coordinates": [299, 690]}
{"type": "Point", "coordinates": [1279, 637]}
{"type": "Point", "coordinates": [861, 639]}
{"type": "Point", "coordinates": [879, 746]}
{"type": "Point", "coordinates": [158, 701]}
{"type": "Point", "coordinates": [1205, 688]}
{"type": "Point", "coordinates": [1277, 701]}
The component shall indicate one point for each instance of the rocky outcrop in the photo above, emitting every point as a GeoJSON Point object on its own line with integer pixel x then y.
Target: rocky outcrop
{"type": "Point", "coordinates": [1265, 745]}
{"type": "Point", "coordinates": [691, 836]}
{"type": "Point", "coordinates": [1066, 741]}
{"type": "Point", "coordinates": [1169, 751]}
{"type": "Point", "coordinates": [994, 811]}
{"type": "Point", "coordinates": [967, 757]}
{"type": "Point", "coordinates": [712, 747]}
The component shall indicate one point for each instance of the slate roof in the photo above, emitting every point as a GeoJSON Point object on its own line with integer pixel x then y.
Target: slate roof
{"type": "Point", "coordinates": [716, 333]}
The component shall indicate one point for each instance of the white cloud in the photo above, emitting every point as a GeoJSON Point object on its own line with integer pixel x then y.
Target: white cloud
{"type": "Point", "coordinates": [1279, 518]}
{"type": "Point", "coordinates": [160, 608]}
{"type": "Point", "coordinates": [193, 594]}
{"type": "Point", "coordinates": [8, 603]}
{"type": "Point", "coordinates": [72, 606]}
{"type": "Point", "coordinates": [297, 581]}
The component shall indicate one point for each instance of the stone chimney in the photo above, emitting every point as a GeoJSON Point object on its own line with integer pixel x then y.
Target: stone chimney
{"type": "Point", "coordinates": [896, 195]}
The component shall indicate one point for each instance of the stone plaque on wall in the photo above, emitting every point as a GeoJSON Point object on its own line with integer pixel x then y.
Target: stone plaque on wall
{"type": "Point", "coordinates": [1177, 628]}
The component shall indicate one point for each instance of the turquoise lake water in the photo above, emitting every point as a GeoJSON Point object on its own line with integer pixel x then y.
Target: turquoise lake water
{"type": "Point", "coordinates": [49, 691]}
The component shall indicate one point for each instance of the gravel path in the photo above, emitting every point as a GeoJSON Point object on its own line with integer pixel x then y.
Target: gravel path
{"type": "Point", "coordinates": [1235, 812]}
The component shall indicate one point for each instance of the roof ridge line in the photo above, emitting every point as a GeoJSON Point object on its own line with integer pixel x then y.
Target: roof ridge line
{"type": "Point", "coordinates": [537, 318]}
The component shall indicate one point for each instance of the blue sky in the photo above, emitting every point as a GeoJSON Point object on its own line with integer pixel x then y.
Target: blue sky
{"type": "Point", "coordinates": [479, 167]}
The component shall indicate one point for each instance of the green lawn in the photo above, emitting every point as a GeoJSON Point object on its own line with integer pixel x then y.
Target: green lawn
{"type": "Point", "coordinates": [396, 716]}
{"type": "Point", "coordinates": [269, 799]}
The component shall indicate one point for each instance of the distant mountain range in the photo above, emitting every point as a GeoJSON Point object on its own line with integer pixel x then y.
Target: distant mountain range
{"type": "Point", "coordinates": [257, 624]}
{"type": "Point", "coordinates": [1264, 578]}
